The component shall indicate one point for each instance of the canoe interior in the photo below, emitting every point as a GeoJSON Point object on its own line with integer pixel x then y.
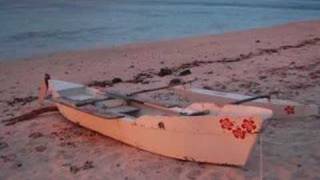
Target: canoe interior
{"type": "Point", "coordinates": [94, 101]}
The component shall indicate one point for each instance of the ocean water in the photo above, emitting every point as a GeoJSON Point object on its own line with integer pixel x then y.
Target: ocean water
{"type": "Point", "coordinates": [34, 27]}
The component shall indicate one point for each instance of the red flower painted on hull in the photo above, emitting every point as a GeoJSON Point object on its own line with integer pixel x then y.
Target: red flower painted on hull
{"type": "Point", "coordinates": [239, 133]}
{"type": "Point", "coordinates": [248, 125]}
{"type": "Point", "coordinates": [289, 109]}
{"type": "Point", "coordinates": [226, 123]}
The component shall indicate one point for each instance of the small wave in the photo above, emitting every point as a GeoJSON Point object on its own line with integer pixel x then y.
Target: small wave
{"type": "Point", "coordinates": [314, 5]}
{"type": "Point", "coordinates": [52, 34]}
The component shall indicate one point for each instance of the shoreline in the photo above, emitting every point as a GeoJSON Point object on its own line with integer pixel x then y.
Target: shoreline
{"type": "Point", "coordinates": [146, 43]}
{"type": "Point", "coordinates": [283, 59]}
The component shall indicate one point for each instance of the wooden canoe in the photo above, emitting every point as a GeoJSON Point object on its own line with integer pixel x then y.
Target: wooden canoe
{"type": "Point", "coordinates": [282, 109]}
{"type": "Point", "coordinates": [201, 132]}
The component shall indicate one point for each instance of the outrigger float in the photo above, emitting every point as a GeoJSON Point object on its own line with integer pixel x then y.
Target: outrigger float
{"type": "Point", "coordinates": [282, 109]}
{"type": "Point", "coordinates": [208, 130]}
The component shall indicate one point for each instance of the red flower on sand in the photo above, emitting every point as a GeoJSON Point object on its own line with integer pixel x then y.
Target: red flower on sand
{"type": "Point", "coordinates": [248, 125]}
{"type": "Point", "coordinates": [289, 109]}
{"type": "Point", "coordinates": [226, 123]}
{"type": "Point", "coordinates": [239, 133]}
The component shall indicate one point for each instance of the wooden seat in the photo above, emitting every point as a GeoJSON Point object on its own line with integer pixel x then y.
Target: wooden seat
{"type": "Point", "coordinates": [123, 110]}
{"type": "Point", "coordinates": [114, 112]}
{"type": "Point", "coordinates": [80, 102]}
{"type": "Point", "coordinates": [111, 103]}
{"type": "Point", "coordinates": [100, 112]}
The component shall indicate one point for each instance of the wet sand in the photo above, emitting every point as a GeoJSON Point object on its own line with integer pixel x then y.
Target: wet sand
{"type": "Point", "coordinates": [283, 59]}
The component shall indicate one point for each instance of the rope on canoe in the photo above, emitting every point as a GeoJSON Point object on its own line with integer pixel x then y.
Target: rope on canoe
{"type": "Point", "coordinates": [261, 158]}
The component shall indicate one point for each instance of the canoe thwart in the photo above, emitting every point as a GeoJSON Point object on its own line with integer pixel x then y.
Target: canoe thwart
{"type": "Point", "coordinates": [252, 99]}
{"type": "Point", "coordinates": [78, 103]}
{"type": "Point", "coordinates": [123, 109]}
{"type": "Point", "coordinates": [100, 112]}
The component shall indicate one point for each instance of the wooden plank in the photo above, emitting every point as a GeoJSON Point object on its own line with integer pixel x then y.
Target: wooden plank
{"type": "Point", "coordinates": [73, 103]}
{"type": "Point", "coordinates": [123, 109]}
{"type": "Point", "coordinates": [101, 113]}
{"type": "Point", "coordinates": [30, 115]}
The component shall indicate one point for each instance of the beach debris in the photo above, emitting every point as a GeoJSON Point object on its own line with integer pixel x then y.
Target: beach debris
{"type": "Point", "coordinates": [8, 157]}
{"type": "Point", "coordinates": [5, 110]}
{"type": "Point", "coordinates": [35, 135]}
{"type": "Point", "coordinates": [18, 164]}
{"type": "Point", "coordinates": [74, 169]}
{"type": "Point", "coordinates": [220, 86]}
{"type": "Point", "coordinates": [40, 148]}
{"type": "Point", "coordinates": [314, 75]}
{"type": "Point", "coordinates": [164, 72]}
{"type": "Point", "coordinates": [193, 174]}
{"type": "Point", "coordinates": [300, 86]}
{"type": "Point", "coordinates": [293, 69]}
{"type": "Point", "coordinates": [175, 81]}
{"type": "Point", "coordinates": [116, 80]}
{"type": "Point", "coordinates": [87, 165]}
{"type": "Point", "coordinates": [103, 83]}
{"type": "Point", "coordinates": [67, 144]}
{"type": "Point", "coordinates": [207, 87]}
{"type": "Point", "coordinates": [141, 78]}
{"type": "Point", "coordinates": [250, 55]}
{"type": "Point", "coordinates": [22, 101]}
{"type": "Point", "coordinates": [269, 51]}
{"type": "Point", "coordinates": [249, 84]}
{"type": "Point", "coordinates": [185, 72]}
{"type": "Point", "coordinates": [3, 145]}
{"type": "Point", "coordinates": [29, 115]}
{"type": "Point", "coordinates": [161, 125]}
{"type": "Point", "coordinates": [185, 67]}
{"type": "Point", "coordinates": [262, 77]}
{"type": "Point", "coordinates": [172, 83]}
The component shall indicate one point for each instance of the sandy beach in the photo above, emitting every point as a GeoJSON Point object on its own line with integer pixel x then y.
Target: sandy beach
{"type": "Point", "coordinates": [284, 59]}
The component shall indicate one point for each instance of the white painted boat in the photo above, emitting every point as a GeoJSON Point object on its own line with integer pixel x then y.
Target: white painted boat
{"type": "Point", "coordinates": [282, 109]}
{"type": "Point", "coordinates": [202, 132]}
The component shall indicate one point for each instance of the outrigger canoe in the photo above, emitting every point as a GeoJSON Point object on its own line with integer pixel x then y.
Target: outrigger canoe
{"type": "Point", "coordinates": [201, 131]}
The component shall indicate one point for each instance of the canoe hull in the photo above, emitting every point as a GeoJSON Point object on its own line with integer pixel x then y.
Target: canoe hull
{"type": "Point", "coordinates": [213, 144]}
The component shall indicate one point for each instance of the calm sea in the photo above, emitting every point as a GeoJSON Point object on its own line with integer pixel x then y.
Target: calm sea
{"type": "Point", "coordinates": [33, 27]}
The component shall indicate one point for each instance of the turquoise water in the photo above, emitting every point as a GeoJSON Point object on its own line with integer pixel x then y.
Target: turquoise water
{"type": "Point", "coordinates": [33, 27]}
